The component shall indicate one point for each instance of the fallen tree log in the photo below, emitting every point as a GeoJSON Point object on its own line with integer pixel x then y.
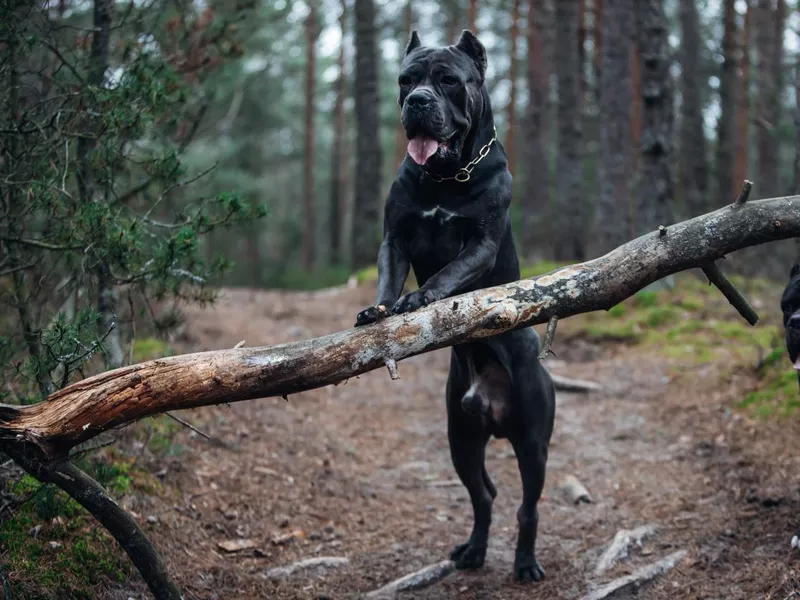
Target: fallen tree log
{"type": "Point", "coordinates": [40, 436]}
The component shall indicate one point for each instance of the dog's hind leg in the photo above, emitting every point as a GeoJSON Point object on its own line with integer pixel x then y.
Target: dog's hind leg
{"type": "Point", "coordinates": [532, 459]}
{"type": "Point", "coordinates": [468, 452]}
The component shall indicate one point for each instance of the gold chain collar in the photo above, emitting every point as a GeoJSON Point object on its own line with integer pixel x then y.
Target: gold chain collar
{"type": "Point", "coordinates": [464, 173]}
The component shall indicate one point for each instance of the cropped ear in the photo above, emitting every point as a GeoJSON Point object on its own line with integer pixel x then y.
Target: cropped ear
{"type": "Point", "coordinates": [472, 47]}
{"type": "Point", "coordinates": [413, 42]}
{"type": "Point", "coordinates": [795, 270]}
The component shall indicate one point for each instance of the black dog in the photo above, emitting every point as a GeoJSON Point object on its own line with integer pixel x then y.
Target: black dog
{"type": "Point", "coordinates": [790, 306]}
{"type": "Point", "coordinates": [447, 217]}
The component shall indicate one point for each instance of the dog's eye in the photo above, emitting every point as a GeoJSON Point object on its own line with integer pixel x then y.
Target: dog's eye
{"type": "Point", "coordinates": [404, 80]}
{"type": "Point", "coordinates": [449, 80]}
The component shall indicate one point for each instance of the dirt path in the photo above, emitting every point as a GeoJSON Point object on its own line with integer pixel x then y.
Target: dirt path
{"type": "Point", "coordinates": [363, 471]}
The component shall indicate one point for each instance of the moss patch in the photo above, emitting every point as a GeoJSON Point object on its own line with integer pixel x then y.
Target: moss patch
{"type": "Point", "coordinates": [54, 548]}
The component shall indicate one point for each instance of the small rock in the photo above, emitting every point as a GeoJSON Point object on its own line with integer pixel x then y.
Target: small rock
{"type": "Point", "coordinates": [314, 536]}
{"type": "Point", "coordinates": [282, 520]}
{"type": "Point", "coordinates": [152, 519]}
{"type": "Point", "coordinates": [329, 528]}
{"type": "Point", "coordinates": [231, 514]}
{"type": "Point", "coordinates": [236, 545]}
{"type": "Point", "coordinates": [54, 545]}
{"type": "Point", "coordinates": [259, 553]}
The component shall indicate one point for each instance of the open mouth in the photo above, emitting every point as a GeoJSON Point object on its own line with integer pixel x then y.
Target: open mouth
{"type": "Point", "coordinates": [421, 148]}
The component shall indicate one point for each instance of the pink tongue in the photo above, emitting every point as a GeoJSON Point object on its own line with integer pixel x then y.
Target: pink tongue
{"type": "Point", "coordinates": [421, 149]}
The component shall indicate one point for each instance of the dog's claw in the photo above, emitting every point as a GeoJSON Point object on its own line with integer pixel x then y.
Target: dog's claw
{"type": "Point", "coordinates": [373, 314]}
{"type": "Point", "coordinates": [468, 556]}
{"type": "Point", "coordinates": [528, 569]}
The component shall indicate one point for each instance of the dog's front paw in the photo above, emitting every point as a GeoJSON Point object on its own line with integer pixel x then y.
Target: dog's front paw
{"type": "Point", "coordinates": [373, 314]}
{"type": "Point", "coordinates": [414, 300]}
{"type": "Point", "coordinates": [468, 556]}
{"type": "Point", "coordinates": [526, 568]}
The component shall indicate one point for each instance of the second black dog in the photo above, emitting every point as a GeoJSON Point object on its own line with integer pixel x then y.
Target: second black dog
{"type": "Point", "coordinates": [447, 217]}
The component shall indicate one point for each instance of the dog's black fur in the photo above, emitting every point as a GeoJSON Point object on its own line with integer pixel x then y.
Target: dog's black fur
{"type": "Point", "coordinates": [790, 307]}
{"type": "Point", "coordinates": [457, 238]}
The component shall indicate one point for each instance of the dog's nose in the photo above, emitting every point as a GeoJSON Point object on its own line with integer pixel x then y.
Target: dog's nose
{"type": "Point", "coordinates": [419, 99]}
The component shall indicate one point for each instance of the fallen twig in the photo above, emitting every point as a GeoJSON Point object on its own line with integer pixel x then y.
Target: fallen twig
{"type": "Point", "coordinates": [319, 562]}
{"type": "Point", "coordinates": [575, 490]}
{"type": "Point", "coordinates": [638, 577]}
{"type": "Point", "coordinates": [415, 581]}
{"type": "Point", "coordinates": [567, 384]}
{"type": "Point", "coordinates": [549, 334]}
{"type": "Point", "coordinates": [739, 302]}
{"type": "Point", "coordinates": [619, 546]}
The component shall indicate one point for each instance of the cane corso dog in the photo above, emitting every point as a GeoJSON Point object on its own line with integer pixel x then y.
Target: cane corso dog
{"type": "Point", "coordinates": [446, 216]}
{"type": "Point", "coordinates": [790, 307]}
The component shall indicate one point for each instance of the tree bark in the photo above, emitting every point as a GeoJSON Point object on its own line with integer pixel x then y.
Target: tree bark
{"type": "Point", "coordinates": [728, 92]}
{"type": "Point", "coordinates": [742, 160]}
{"type": "Point", "coordinates": [570, 218]}
{"type": "Point", "coordinates": [309, 203]}
{"type": "Point", "coordinates": [692, 158]}
{"type": "Point", "coordinates": [338, 167]}
{"type": "Point", "coordinates": [636, 104]}
{"type": "Point", "coordinates": [599, 18]}
{"type": "Point", "coordinates": [511, 146]}
{"type": "Point", "coordinates": [472, 16]}
{"type": "Point", "coordinates": [368, 148]}
{"type": "Point", "coordinates": [613, 210]}
{"type": "Point", "coordinates": [400, 141]}
{"type": "Point", "coordinates": [655, 190]}
{"type": "Point", "coordinates": [536, 206]}
{"type": "Point", "coordinates": [769, 25]}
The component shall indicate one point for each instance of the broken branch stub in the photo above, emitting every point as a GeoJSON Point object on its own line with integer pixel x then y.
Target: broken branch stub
{"type": "Point", "coordinates": [85, 409]}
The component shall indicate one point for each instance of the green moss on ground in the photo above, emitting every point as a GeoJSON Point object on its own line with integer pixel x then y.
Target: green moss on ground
{"type": "Point", "coordinates": [54, 547]}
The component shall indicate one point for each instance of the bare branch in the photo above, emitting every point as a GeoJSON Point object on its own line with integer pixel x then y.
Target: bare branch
{"type": "Point", "coordinates": [739, 302]}
{"type": "Point", "coordinates": [745, 193]}
{"type": "Point", "coordinates": [549, 334]}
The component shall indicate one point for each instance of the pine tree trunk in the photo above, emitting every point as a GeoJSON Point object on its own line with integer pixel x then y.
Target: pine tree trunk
{"type": "Point", "coordinates": [310, 209]}
{"type": "Point", "coordinates": [570, 216]}
{"type": "Point", "coordinates": [584, 85]}
{"type": "Point", "coordinates": [742, 160]}
{"type": "Point", "coordinates": [368, 147]}
{"type": "Point", "coordinates": [726, 126]}
{"type": "Point", "coordinates": [767, 117]}
{"type": "Point", "coordinates": [599, 16]}
{"type": "Point", "coordinates": [336, 218]}
{"type": "Point", "coordinates": [636, 104]}
{"type": "Point", "coordinates": [400, 141]}
{"type": "Point", "coordinates": [536, 205]}
{"type": "Point", "coordinates": [655, 193]}
{"type": "Point", "coordinates": [511, 146]}
{"type": "Point", "coordinates": [472, 16]}
{"type": "Point", "coordinates": [613, 210]}
{"type": "Point", "coordinates": [797, 123]}
{"type": "Point", "coordinates": [692, 159]}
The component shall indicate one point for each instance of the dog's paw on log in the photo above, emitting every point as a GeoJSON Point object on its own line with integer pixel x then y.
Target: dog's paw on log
{"type": "Point", "coordinates": [414, 300]}
{"type": "Point", "coordinates": [373, 314]}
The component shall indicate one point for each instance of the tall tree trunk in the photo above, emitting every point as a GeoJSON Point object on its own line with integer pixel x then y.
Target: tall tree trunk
{"type": "Point", "coordinates": [613, 211]}
{"type": "Point", "coordinates": [536, 206]}
{"type": "Point", "coordinates": [599, 16]}
{"type": "Point", "coordinates": [453, 14]}
{"type": "Point", "coordinates": [107, 298]}
{"type": "Point", "coordinates": [581, 46]}
{"type": "Point", "coordinates": [636, 102]}
{"type": "Point", "coordinates": [742, 160]}
{"type": "Point", "coordinates": [310, 209]}
{"type": "Point", "coordinates": [655, 193]}
{"type": "Point", "coordinates": [692, 159]}
{"type": "Point", "coordinates": [400, 141]}
{"type": "Point", "coordinates": [797, 123]}
{"type": "Point", "coordinates": [472, 16]}
{"type": "Point", "coordinates": [511, 146]}
{"type": "Point", "coordinates": [726, 126]}
{"type": "Point", "coordinates": [368, 147]}
{"type": "Point", "coordinates": [768, 96]}
{"type": "Point", "coordinates": [570, 218]}
{"type": "Point", "coordinates": [338, 154]}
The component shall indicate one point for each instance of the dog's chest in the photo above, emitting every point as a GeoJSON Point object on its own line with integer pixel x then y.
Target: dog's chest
{"type": "Point", "coordinates": [437, 235]}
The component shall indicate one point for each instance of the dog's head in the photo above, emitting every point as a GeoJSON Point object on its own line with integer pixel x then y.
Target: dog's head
{"type": "Point", "coordinates": [790, 306]}
{"type": "Point", "coordinates": [441, 97]}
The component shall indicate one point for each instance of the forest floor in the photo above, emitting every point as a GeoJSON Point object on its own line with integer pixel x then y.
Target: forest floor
{"type": "Point", "coordinates": [362, 470]}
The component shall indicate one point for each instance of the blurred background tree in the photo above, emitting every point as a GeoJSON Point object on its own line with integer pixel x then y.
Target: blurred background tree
{"type": "Point", "coordinates": [135, 135]}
